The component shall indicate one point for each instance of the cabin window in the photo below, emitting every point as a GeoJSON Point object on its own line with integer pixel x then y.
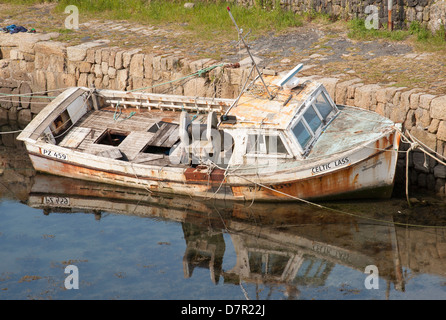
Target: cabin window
{"type": "Point", "coordinates": [312, 118]}
{"type": "Point", "coordinates": [265, 144]}
{"type": "Point", "coordinates": [302, 134]}
{"type": "Point", "coordinates": [316, 115]}
{"type": "Point", "coordinates": [323, 106]}
{"type": "Point", "coordinates": [274, 145]}
{"type": "Point", "coordinates": [112, 137]}
{"type": "Point", "coordinates": [255, 144]}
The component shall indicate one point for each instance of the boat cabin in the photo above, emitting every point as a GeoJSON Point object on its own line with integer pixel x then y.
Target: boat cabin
{"type": "Point", "coordinates": [286, 127]}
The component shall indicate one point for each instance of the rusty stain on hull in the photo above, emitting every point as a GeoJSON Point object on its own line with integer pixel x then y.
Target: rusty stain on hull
{"type": "Point", "coordinates": [199, 183]}
{"type": "Point", "coordinates": [201, 174]}
{"type": "Point", "coordinates": [329, 185]}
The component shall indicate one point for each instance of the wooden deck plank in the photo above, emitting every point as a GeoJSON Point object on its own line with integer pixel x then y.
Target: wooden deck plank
{"type": "Point", "coordinates": [163, 134]}
{"type": "Point", "coordinates": [134, 143]}
{"type": "Point", "coordinates": [75, 137]}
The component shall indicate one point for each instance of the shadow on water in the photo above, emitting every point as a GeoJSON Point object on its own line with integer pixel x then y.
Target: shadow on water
{"type": "Point", "coordinates": [291, 245]}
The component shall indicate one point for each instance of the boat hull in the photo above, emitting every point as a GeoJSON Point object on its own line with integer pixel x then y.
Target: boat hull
{"type": "Point", "coordinates": [370, 175]}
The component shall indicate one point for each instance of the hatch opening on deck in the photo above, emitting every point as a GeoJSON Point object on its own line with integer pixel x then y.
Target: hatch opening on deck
{"type": "Point", "coordinates": [156, 150]}
{"type": "Point", "coordinates": [112, 137]}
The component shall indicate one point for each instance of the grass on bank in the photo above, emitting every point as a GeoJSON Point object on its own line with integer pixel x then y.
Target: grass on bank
{"type": "Point", "coordinates": [421, 36]}
{"type": "Point", "coordinates": [208, 19]}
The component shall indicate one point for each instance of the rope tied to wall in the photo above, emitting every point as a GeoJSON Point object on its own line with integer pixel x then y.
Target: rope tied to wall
{"type": "Point", "coordinates": [197, 73]}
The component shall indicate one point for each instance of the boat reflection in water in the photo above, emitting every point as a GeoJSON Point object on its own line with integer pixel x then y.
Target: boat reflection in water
{"type": "Point", "coordinates": [286, 244]}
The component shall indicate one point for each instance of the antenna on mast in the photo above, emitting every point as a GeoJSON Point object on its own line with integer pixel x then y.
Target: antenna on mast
{"type": "Point", "coordinates": [249, 52]}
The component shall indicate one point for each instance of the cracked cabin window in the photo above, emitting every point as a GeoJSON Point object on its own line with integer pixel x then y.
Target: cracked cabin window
{"type": "Point", "coordinates": [323, 106]}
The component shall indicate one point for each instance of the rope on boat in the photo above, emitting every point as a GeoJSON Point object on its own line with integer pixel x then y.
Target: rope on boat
{"type": "Point", "coordinates": [28, 95]}
{"type": "Point", "coordinates": [416, 144]}
{"type": "Point", "coordinates": [34, 94]}
{"type": "Point", "coordinates": [116, 117]}
{"type": "Point", "coordinates": [17, 101]}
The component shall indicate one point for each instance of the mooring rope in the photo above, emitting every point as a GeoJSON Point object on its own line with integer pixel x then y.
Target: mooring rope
{"type": "Point", "coordinates": [338, 210]}
{"type": "Point", "coordinates": [197, 73]}
{"type": "Point", "coordinates": [11, 132]}
{"type": "Point", "coordinates": [413, 144]}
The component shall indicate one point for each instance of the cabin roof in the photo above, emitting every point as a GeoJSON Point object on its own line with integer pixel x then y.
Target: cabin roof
{"type": "Point", "coordinates": [352, 127]}
{"type": "Point", "coordinates": [256, 110]}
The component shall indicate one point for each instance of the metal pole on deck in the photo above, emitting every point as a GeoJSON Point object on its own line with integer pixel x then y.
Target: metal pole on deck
{"type": "Point", "coordinates": [249, 52]}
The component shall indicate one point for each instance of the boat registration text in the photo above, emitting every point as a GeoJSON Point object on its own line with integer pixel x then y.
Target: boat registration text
{"type": "Point", "coordinates": [53, 154]}
{"type": "Point", "coordinates": [56, 201]}
{"type": "Point", "coordinates": [330, 165]}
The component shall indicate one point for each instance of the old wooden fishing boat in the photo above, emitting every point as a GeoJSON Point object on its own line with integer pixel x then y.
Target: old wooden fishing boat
{"type": "Point", "coordinates": [278, 141]}
{"type": "Point", "coordinates": [282, 140]}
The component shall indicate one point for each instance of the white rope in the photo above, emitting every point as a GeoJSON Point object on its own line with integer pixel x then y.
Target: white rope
{"type": "Point", "coordinates": [14, 101]}
{"type": "Point", "coordinates": [425, 146]}
{"type": "Point", "coordinates": [139, 181]}
{"type": "Point", "coordinates": [243, 290]}
{"type": "Point", "coordinates": [412, 147]}
{"type": "Point", "coordinates": [10, 132]}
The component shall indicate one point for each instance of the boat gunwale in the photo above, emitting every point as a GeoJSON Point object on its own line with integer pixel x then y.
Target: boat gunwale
{"type": "Point", "coordinates": [47, 112]}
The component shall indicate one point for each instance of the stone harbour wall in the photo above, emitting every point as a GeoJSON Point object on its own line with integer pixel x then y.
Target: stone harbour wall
{"type": "Point", "coordinates": [431, 13]}
{"type": "Point", "coordinates": [29, 65]}
{"type": "Point", "coordinates": [35, 64]}
{"type": "Point", "coordinates": [422, 115]}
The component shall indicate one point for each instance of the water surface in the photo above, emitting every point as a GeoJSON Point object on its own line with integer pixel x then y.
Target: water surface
{"type": "Point", "coordinates": [129, 244]}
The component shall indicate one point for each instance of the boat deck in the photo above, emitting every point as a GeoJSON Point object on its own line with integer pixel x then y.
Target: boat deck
{"type": "Point", "coordinates": [140, 137]}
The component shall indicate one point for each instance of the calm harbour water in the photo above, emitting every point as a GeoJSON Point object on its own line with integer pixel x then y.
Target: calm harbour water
{"type": "Point", "coordinates": [128, 244]}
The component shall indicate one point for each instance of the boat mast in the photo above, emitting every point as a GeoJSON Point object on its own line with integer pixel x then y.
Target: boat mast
{"type": "Point", "coordinates": [249, 52]}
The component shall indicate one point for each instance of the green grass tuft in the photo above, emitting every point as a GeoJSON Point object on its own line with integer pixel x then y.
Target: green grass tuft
{"type": "Point", "coordinates": [417, 31]}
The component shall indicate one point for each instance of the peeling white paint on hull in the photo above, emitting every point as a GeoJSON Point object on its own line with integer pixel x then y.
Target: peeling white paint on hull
{"type": "Point", "coordinates": [363, 171]}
